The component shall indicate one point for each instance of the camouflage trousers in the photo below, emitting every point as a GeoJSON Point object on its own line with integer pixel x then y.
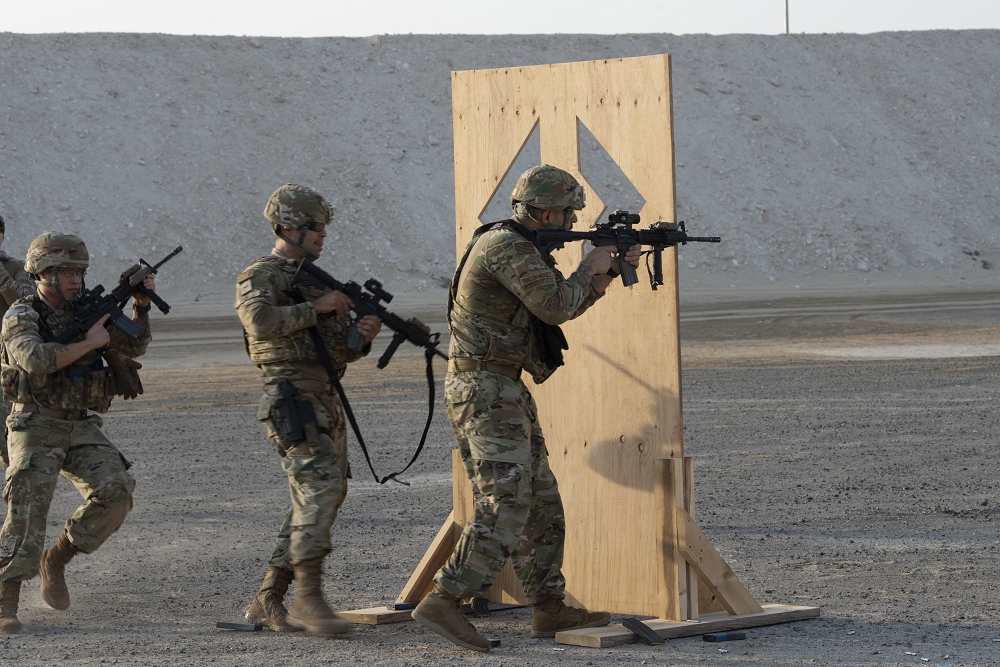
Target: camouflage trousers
{"type": "Point", "coordinates": [317, 472]}
{"type": "Point", "coordinates": [517, 510]}
{"type": "Point", "coordinates": [40, 449]}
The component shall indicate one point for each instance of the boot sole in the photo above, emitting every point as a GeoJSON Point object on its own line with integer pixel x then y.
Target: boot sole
{"type": "Point", "coordinates": [49, 601]}
{"type": "Point", "coordinates": [328, 630]}
{"type": "Point", "coordinates": [438, 630]}
{"type": "Point", "coordinates": [538, 634]}
{"type": "Point", "coordinates": [267, 625]}
{"type": "Point", "coordinates": [10, 629]}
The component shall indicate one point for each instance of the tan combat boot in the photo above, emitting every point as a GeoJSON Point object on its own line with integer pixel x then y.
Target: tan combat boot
{"type": "Point", "coordinates": [309, 611]}
{"type": "Point", "coordinates": [440, 612]}
{"type": "Point", "coordinates": [268, 609]}
{"type": "Point", "coordinates": [552, 616]}
{"type": "Point", "coordinates": [10, 593]}
{"type": "Point", "coordinates": [53, 572]}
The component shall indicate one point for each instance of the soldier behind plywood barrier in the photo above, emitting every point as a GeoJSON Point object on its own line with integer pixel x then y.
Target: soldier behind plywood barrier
{"type": "Point", "coordinates": [505, 304]}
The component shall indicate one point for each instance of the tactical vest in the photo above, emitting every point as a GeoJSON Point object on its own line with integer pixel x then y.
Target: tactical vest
{"type": "Point", "coordinates": [83, 385]}
{"type": "Point", "coordinates": [298, 345]}
{"type": "Point", "coordinates": [518, 343]}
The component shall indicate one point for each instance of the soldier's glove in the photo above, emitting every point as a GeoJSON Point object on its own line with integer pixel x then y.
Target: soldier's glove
{"type": "Point", "coordinates": [125, 380]}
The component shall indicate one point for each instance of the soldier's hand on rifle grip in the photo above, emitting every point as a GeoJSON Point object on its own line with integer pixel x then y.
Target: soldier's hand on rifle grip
{"type": "Point", "coordinates": [97, 336]}
{"type": "Point", "coordinates": [333, 302]}
{"type": "Point", "coordinates": [599, 259]}
{"type": "Point", "coordinates": [140, 299]}
{"type": "Point", "coordinates": [369, 326]}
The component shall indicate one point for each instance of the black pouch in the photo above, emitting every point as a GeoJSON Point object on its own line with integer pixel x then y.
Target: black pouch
{"type": "Point", "coordinates": [551, 342]}
{"type": "Point", "coordinates": [293, 419]}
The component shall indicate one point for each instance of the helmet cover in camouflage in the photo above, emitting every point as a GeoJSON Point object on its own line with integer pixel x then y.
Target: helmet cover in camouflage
{"type": "Point", "coordinates": [293, 206]}
{"type": "Point", "coordinates": [548, 188]}
{"type": "Point", "coordinates": [53, 249]}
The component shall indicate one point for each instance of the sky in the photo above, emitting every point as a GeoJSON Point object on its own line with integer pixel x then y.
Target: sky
{"type": "Point", "coordinates": [355, 18]}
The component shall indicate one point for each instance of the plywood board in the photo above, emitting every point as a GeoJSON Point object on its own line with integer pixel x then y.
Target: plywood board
{"type": "Point", "coordinates": [616, 635]}
{"type": "Point", "coordinates": [376, 616]}
{"type": "Point", "coordinates": [623, 367]}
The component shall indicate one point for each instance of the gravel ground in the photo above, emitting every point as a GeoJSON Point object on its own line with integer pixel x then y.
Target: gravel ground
{"type": "Point", "coordinates": [860, 486]}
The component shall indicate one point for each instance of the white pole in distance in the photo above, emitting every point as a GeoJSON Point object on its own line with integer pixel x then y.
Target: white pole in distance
{"type": "Point", "coordinates": [786, 17]}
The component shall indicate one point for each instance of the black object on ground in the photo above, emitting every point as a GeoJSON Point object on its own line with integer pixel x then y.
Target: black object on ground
{"type": "Point", "coordinates": [400, 606]}
{"type": "Point", "coordinates": [723, 636]}
{"type": "Point", "coordinates": [243, 627]}
{"type": "Point", "coordinates": [646, 634]}
{"type": "Point", "coordinates": [494, 643]}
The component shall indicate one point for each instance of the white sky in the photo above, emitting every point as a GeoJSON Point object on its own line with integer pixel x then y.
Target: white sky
{"type": "Point", "coordinates": [312, 18]}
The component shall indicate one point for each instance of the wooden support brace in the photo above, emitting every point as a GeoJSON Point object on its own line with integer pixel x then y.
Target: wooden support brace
{"type": "Point", "coordinates": [422, 579]}
{"type": "Point", "coordinates": [712, 568]}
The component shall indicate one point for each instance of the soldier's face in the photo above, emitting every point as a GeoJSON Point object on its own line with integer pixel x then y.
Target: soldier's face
{"type": "Point", "coordinates": [313, 242]}
{"type": "Point", "coordinates": [563, 220]}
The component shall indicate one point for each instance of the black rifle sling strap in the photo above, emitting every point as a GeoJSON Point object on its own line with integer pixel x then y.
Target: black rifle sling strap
{"type": "Point", "coordinates": [335, 382]}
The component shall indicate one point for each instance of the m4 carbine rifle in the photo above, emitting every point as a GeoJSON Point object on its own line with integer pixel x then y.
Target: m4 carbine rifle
{"type": "Point", "coordinates": [619, 233]}
{"type": "Point", "coordinates": [367, 301]}
{"type": "Point", "coordinates": [93, 304]}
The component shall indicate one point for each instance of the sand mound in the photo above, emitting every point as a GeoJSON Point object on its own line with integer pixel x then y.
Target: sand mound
{"type": "Point", "coordinates": [830, 158]}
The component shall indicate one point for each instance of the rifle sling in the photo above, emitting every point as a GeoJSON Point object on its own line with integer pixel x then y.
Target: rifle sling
{"type": "Point", "coordinates": [335, 382]}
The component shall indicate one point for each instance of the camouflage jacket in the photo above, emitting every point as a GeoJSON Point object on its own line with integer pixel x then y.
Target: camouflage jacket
{"type": "Point", "coordinates": [504, 281]}
{"type": "Point", "coordinates": [15, 283]}
{"type": "Point", "coordinates": [277, 324]}
{"type": "Point", "coordinates": [28, 359]}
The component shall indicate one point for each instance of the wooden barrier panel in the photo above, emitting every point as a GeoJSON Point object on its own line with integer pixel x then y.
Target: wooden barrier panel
{"type": "Point", "coordinates": [614, 409]}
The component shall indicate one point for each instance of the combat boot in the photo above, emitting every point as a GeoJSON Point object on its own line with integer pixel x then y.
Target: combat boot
{"type": "Point", "coordinates": [268, 609]}
{"type": "Point", "coordinates": [52, 570]}
{"type": "Point", "coordinates": [10, 594]}
{"type": "Point", "coordinates": [309, 610]}
{"type": "Point", "coordinates": [440, 612]}
{"type": "Point", "coordinates": [552, 616]}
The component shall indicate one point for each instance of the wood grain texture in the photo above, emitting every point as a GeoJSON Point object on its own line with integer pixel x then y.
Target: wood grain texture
{"type": "Point", "coordinates": [623, 367]}
{"type": "Point", "coordinates": [712, 568]}
{"type": "Point", "coordinates": [421, 581]}
{"type": "Point", "coordinates": [616, 635]}
{"type": "Point", "coordinates": [376, 616]}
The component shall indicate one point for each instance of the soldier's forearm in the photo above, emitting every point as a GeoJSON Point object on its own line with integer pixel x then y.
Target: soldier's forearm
{"type": "Point", "coordinates": [67, 354]}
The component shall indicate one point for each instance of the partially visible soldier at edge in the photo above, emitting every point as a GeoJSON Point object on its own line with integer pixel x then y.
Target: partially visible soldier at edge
{"type": "Point", "coordinates": [14, 284]}
{"type": "Point", "coordinates": [300, 411]}
{"type": "Point", "coordinates": [54, 387]}
{"type": "Point", "coordinates": [506, 300]}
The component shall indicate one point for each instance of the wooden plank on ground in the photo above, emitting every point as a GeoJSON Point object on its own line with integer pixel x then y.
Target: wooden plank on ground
{"type": "Point", "coordinates": [712, 568]}
{"type": "Point", "coordinates": [615, 635]}
{"type": "Point", "coordinates": [376, 616]}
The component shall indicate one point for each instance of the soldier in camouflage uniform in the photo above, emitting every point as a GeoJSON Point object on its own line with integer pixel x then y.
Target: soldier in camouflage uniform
{"type": "Point", "coordinates": [14, 284]}
{"type": "Point", "coordinates": [54, 387]}
{"type": "Point", "coordinates": [300, 411]}
{"type": "Point", "coordinates": [507, 297]}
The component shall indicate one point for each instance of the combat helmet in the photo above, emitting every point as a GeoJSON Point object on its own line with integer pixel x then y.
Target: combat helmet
{"type": "Point", "coordinates": [297, 207]}
{"type": "Point", "coordinates": [53, 249]}
{"type": "Point", "coordinates": [548, 188]}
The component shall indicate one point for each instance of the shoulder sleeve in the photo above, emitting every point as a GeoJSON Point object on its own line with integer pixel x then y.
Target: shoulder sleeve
{"type": "Point", "coordinates": [516, 264]}
{"type": "Point", "coordinates": [258, 309]}
{"type": "Point", "coordinates": [21, 336]}
{"type": "Point", "coordinates": [15, 282]}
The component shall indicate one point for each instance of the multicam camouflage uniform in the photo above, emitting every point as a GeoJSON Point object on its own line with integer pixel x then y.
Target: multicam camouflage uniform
{"type": "Point", "coordinates": [14, 284]}
{"type": "Point", "coordinates": [280, 344]}
{"type": "Point", "coordinates": [518, 513]}
{"type": "Point", "coordinates": [51, 433]}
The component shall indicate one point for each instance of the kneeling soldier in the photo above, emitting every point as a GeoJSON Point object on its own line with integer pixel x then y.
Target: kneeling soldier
{"type": "Point", "coordinates": [301, 413]}
{"type": "Point", "coordinates": [54, 387]}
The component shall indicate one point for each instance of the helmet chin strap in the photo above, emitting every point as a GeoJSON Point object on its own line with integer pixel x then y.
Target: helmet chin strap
{"type": "Point", "coordinates": [312, 257]}
{"type": "Point", "coordinates": [54, 284]}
